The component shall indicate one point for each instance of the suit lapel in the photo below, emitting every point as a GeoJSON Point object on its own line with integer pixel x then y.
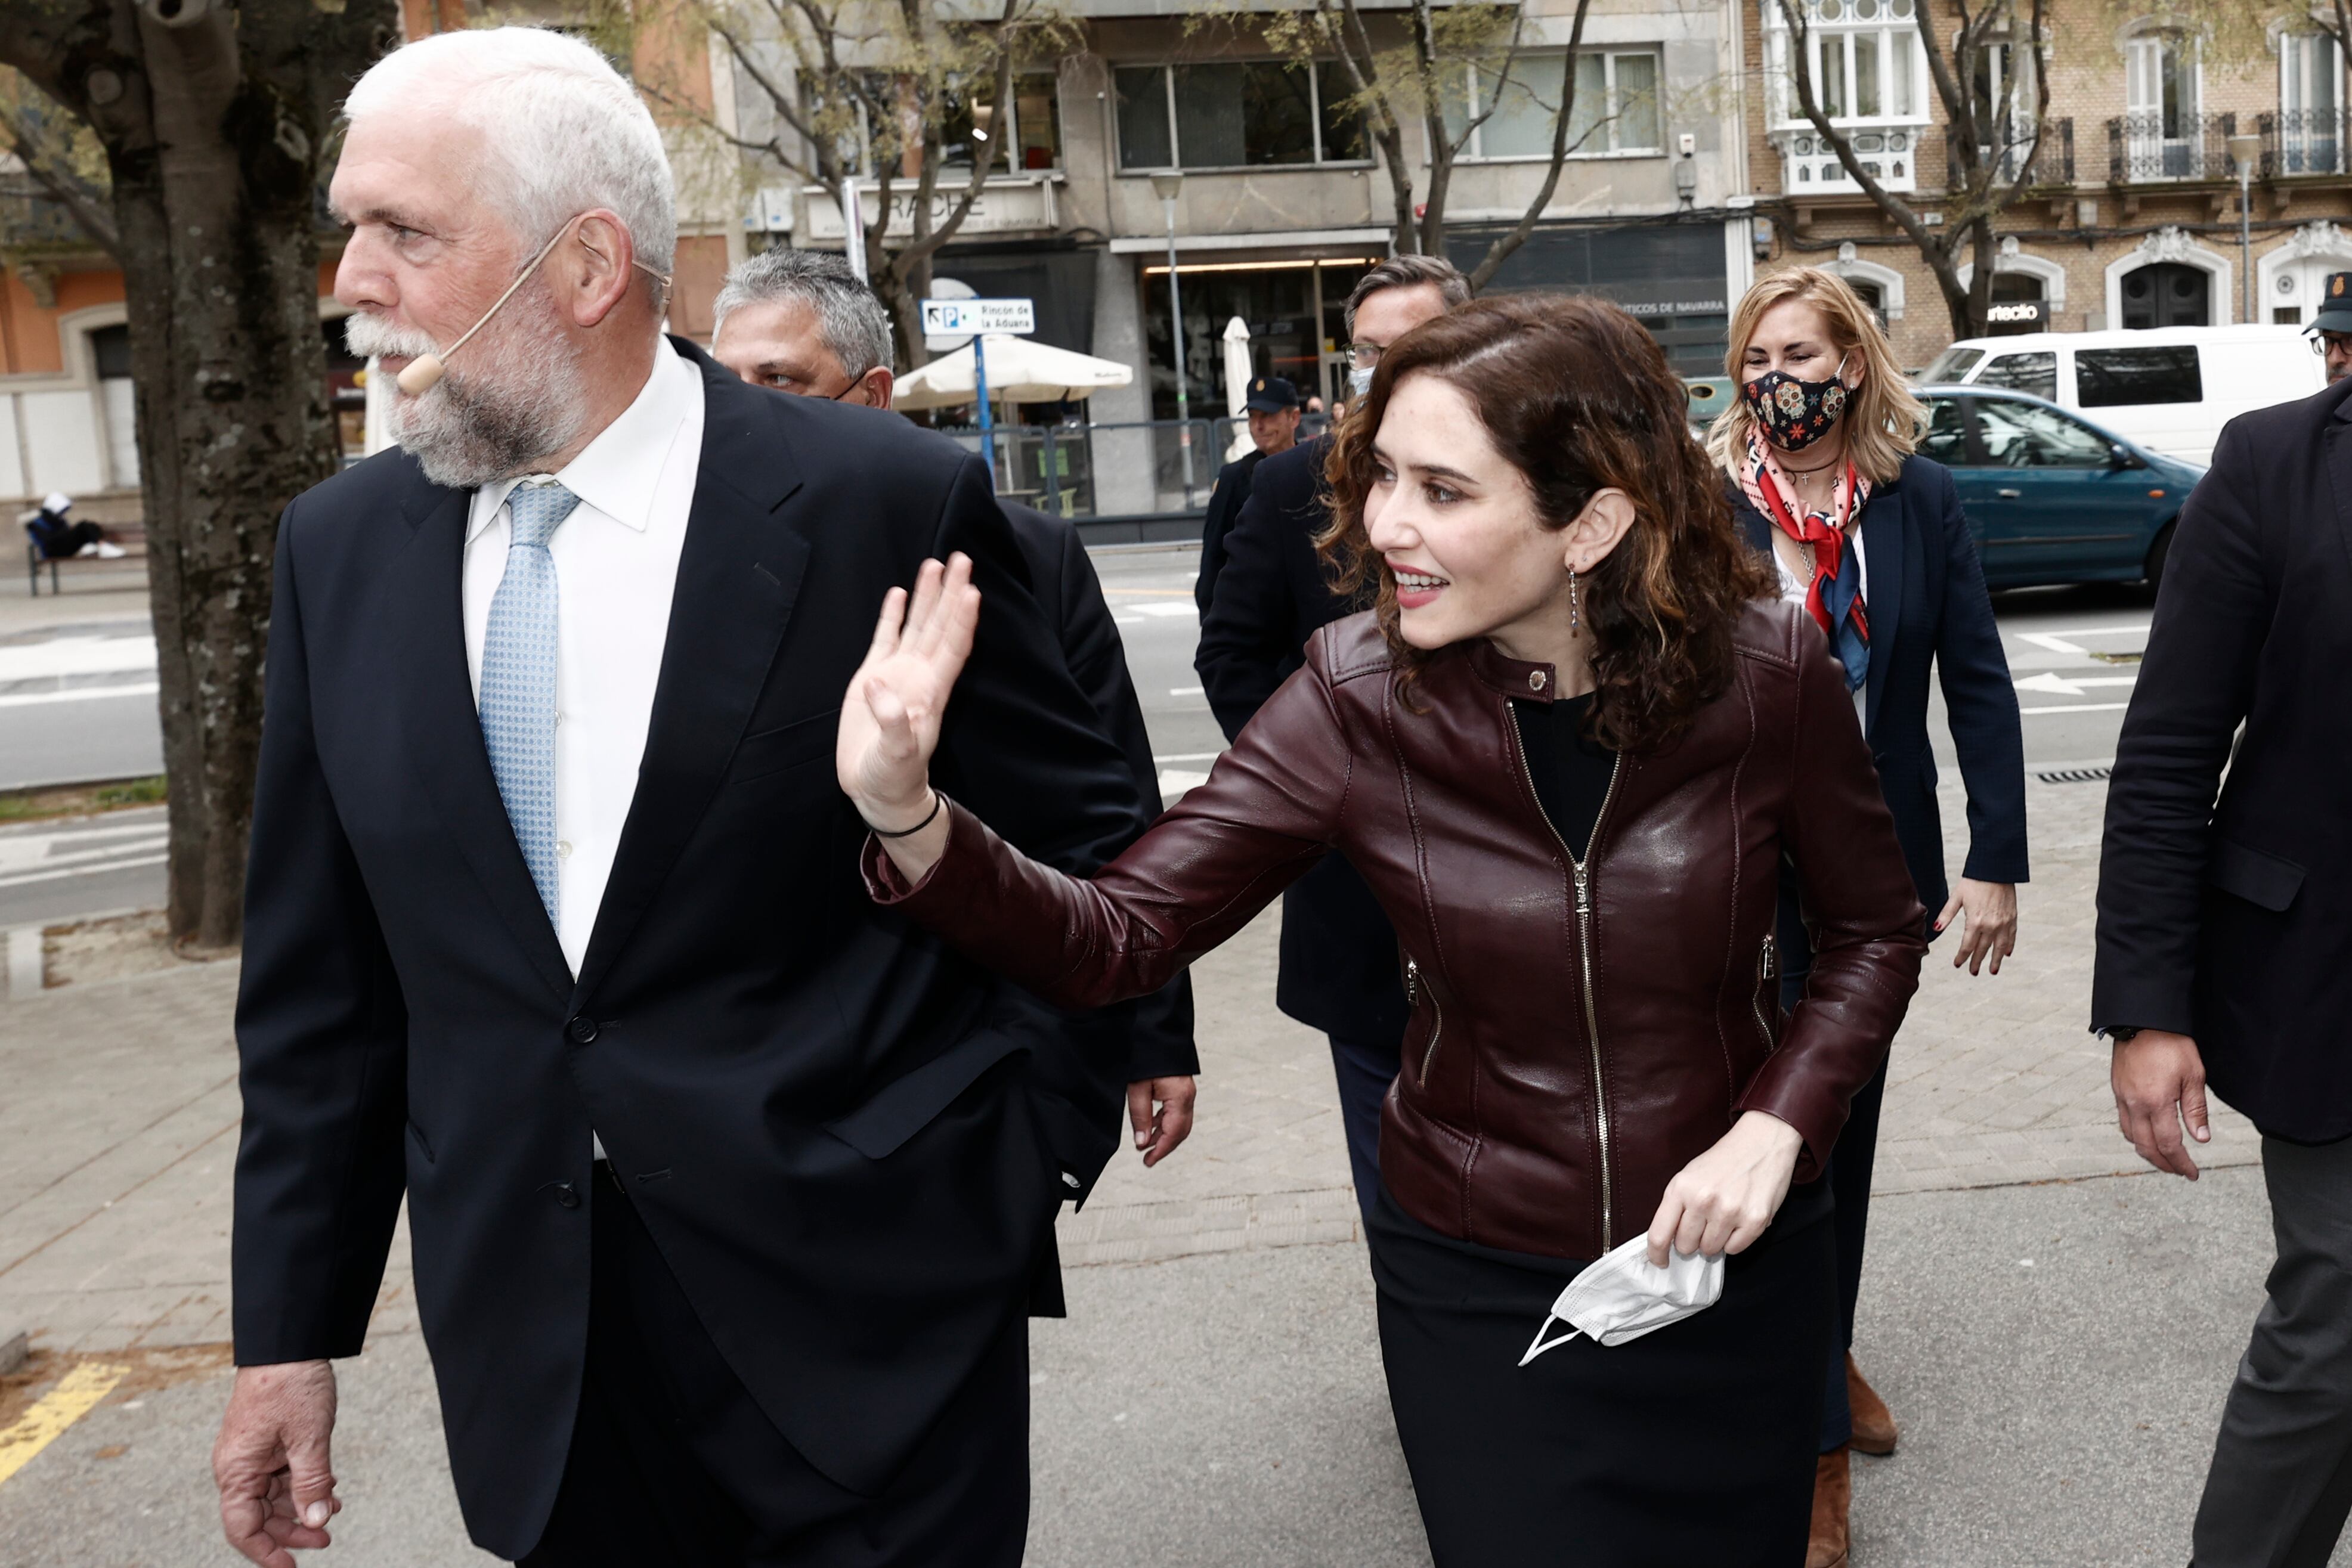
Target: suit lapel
{"type": "Point", "coordinates": [434, 696]}
{"type": "Point", "coordinates": [1882, 554]}
{"type": "Point", "coordinates": [736, 580]}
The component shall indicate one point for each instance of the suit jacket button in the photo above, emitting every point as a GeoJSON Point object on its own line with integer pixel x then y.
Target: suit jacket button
{"type": "Point", "coordinates": [583, 1030]}
{"type": "Point", "coordinates": [567, 1194]}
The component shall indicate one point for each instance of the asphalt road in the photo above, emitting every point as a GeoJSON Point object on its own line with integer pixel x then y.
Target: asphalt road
{"type": "Point", "coordinates": [77, 703]}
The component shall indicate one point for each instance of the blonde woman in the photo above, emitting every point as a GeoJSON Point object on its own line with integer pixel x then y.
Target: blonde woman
{"type": "Point", "coordinates": [1869, 539]}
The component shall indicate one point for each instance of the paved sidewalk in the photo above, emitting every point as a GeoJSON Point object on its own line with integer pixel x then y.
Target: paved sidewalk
{"type": "Point", "coordinates": [2058, 1348]}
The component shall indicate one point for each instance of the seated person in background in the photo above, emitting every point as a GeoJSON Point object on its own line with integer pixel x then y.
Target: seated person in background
{"type": "Point", "coordinates": [58, 539]}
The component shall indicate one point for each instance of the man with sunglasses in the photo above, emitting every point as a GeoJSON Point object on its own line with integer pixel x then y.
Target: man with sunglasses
{"type": "Point", "coordinates": [2331, 329]}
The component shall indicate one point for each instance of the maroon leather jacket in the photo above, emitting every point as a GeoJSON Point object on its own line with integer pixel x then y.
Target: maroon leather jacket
{"type": "Point", "coordinates": [1584, 1023]}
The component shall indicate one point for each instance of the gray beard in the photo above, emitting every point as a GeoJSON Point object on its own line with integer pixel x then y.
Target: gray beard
{"type": "Point", "coordinates": [517, 402]}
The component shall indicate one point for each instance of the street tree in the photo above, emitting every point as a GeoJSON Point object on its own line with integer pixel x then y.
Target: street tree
{"type": "Point", "coordinates": [900, 92]}
{"type": "Point", "coordinates": [1449, 71]}
{"type": "Point", "coordinates": [214, 121]}
{"type": "Point", "coordinates": [1985, 63]}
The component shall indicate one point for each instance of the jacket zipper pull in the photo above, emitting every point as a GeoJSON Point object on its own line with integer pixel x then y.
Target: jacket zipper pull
{"type": "Point", "coordinates": [1583, 889]}
{"type": "Point", "coordinates": [1411, 983]}
{"type": "Point", "coordinates": [1772, 955]}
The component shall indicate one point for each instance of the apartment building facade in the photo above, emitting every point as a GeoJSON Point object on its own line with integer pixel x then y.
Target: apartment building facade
{"type": "Point", "coordinates": [2130, 215]}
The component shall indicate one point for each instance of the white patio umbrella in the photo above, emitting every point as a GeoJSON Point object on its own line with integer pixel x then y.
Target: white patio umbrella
{"type": "Point", "coordinates": [1020, 370]}
{"type": "Point", "coordinates": [1237, 380]}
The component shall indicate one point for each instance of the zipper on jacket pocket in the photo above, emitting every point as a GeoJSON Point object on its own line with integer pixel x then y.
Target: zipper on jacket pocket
{"type": "Point", "coordinates": [1767, 965]}
{"type": "Point", "coordinates": [1437, 1029]}
{"type": "Point", "coordinates": [1582, 867]}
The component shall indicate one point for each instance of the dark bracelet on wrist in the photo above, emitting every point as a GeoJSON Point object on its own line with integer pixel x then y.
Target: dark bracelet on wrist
{"type": "Point", "coordinates": [939, 802]}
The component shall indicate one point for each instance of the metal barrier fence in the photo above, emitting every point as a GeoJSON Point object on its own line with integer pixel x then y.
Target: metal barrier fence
{"type": "Point", "coordinates": [1125, 470]}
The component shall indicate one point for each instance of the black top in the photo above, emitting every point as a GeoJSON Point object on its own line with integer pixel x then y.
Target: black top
{"type": "Point", "coordinates": [1571, 772]}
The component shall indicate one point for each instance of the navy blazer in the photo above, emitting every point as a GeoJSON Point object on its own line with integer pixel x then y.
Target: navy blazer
{"type": "Point", "coordinates": [2225, 881]}
{"type": "Point", "coordinates": [1928, 608]}
{"type": "Point", "coordinates": [1339, 971]}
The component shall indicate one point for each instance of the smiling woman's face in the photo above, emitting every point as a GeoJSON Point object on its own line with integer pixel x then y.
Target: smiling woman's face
{"type": "Point", "coordinates": [1456, 521]}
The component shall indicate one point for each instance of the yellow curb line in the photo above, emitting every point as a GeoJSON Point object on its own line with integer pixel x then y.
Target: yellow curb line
{"type": "Point", "coordinates": [47, 1421]}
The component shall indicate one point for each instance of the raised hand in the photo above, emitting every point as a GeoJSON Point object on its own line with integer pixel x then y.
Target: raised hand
{"type": "Point", "coordinates": [890, 716]}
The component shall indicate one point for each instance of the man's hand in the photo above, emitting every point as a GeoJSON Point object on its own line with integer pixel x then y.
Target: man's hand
{"type": "Point", "coordinates": [1990, 908]}
{"type": "Point", "coordinates": [2159, 1082]}
{"type": "Point", "coordinates": [270, 1462]}
{"type": "Point", "coordinates": [1157, 1133]}
{"type": "Point", "coordinates": [1722, 1201]}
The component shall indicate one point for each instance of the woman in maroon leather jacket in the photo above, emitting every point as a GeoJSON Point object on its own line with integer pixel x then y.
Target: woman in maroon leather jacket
{"type": "Point", "coordinates": [1567, 750]}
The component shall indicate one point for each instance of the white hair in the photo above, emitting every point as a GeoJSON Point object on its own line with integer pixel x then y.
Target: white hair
{"type": "Point", "coordinates": [562, 131]}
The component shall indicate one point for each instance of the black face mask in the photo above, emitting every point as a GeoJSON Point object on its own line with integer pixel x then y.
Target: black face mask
{"type": "Point", "coordinates": [1793, 414]}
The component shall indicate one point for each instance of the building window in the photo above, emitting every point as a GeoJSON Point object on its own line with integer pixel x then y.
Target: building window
{"type": "Point", "coordinates": [2311, 105]}
{"type": "Point", "coordinates": [1236, 115]}
{"type": "Point", "coordinates": [2159, 121]}
{"type": "Point", "coordinates": [1030, 138]}
{"type": "Point", "coordinates": [110, 349]}
{"type": "Point", "coordinates": [1864, 59]}
{"type": "Point", "coordinates": [1616, 107]}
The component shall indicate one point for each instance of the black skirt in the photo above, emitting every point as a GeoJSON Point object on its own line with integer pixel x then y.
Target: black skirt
{"type": "Point", "coordinates": [1692, 1446]}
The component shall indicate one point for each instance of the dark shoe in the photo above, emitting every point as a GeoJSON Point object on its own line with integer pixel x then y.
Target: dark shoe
{"type": "Point", "coordinates": [1874, 1424]}
{"type": "Point", "coordinates": [1833, 1499]}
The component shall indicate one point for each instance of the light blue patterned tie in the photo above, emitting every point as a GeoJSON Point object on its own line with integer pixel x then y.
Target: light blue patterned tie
{"type": "Point", "coordinates": [517, 708]}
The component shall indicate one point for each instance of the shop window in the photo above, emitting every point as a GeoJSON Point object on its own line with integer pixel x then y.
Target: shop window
{"type": "Point", "coordinates": [1236, 115]}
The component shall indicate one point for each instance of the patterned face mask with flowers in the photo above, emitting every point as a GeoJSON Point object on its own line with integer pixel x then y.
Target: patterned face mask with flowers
{"type": "Point", "coordinates": [1793, 414]}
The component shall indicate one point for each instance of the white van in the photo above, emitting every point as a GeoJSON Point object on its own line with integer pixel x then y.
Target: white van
{"type": "Point", "coordinates": [2171, 389]}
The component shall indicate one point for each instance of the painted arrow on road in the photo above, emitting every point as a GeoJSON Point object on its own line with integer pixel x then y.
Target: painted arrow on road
{"type": "Point", "coordinates": [2056, 684]}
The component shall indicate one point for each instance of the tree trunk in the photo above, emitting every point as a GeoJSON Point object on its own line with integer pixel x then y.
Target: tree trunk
{"type": "Point", "coordinates": [215, 131]}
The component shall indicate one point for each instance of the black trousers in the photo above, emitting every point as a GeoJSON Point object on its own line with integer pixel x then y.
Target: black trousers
{"type": "Point", "coordinates": [674, 1466]}
{"type": "Point", "coordinates": [2280, 1483]}
{"type": "Point", "coordinates": [1364, 1072]}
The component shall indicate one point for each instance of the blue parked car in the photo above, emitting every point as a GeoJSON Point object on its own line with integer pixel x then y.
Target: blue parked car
{"type": "Point", "coordinates": [2050, 496]}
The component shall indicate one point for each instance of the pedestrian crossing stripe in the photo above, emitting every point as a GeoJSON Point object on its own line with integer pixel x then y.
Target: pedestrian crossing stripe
{"type": "Point", "coordinates": [76, 1395]}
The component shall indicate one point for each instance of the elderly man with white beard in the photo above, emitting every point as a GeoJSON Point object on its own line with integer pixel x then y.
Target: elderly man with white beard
{"type": "Point", "coordinates": [728, 1192]}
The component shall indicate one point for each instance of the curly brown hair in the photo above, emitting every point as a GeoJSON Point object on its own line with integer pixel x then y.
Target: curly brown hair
{"type": "Point", "coordinates": [1577, 395]}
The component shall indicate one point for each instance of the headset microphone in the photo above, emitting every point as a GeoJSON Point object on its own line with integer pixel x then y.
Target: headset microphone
{"type": "Point", "coordinates": [420, 373]}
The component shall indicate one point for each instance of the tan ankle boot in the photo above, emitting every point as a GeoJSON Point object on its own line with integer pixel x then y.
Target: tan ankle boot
{"type": "Point", "coordinates": [1832, 1500]}
{"type": "Point", "coordinates": [1874, 1424]}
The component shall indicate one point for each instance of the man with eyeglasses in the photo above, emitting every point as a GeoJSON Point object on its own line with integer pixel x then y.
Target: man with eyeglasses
{"type": "Point", "coordinates": [1340, 972]}
{"type": "Point", "coordinates": [797, 321]}
{"type": "Point", "coordinates": [2331, 329]}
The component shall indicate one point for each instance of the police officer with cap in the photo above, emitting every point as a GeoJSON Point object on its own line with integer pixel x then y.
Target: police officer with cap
{"type": "Point", "coordinates": [2331, 329]}
{"type": "Point", "coordinates": [1274, 413]}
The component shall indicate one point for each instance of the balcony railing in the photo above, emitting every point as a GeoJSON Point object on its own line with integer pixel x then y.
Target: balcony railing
{"type": "Point", "coordinates": [2304, 141]}
{"type": "Point", "coordinates": [2153, 147]}
{"type": "Point", "coordinates": [2050, 162]}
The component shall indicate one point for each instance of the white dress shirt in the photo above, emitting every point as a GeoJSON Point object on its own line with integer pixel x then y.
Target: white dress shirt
{"type": "Point", "coordinates": [616, 569]}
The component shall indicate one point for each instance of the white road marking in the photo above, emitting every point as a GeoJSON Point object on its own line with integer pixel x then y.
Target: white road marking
{"type": "Point", "coordinates": [76, 656]}
{"type": "Point", "coordinates": [29, 878]}
{"type": "Point", "coordinates": [2059, 686]}
{"type": "Point", "coordinates": [2061, 643]}
{"type": "Point", "coordinates": [1174, 781]}
{"type": "Point", "coordinates": [1188, 757]}
{"type": "Point", "coordinates": [79, 695]}
{"type": "Point", "coordinates": [2079, 708]}
{"type": "Point", "coordinates": [1186, 692]}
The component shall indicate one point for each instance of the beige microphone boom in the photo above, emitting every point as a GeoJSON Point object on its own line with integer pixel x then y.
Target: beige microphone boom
{"type": "Point", "coordinates": [420, 374]}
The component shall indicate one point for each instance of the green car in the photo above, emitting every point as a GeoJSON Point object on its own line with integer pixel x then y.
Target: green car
{"type": "Point", "coordinates": [2050, 496]}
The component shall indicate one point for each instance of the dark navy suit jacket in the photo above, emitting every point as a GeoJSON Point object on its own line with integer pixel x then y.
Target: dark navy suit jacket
{"type": "Point", "coordinates": [2225, 882]}
{"type": "Point", "coordinates": [849, 1142]}
{"type": "Point", "coordinates": [1929, 612]}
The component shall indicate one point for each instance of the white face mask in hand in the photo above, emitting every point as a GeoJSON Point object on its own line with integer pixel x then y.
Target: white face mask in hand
{"type": "Point", "coordinates": [1622, 1296]}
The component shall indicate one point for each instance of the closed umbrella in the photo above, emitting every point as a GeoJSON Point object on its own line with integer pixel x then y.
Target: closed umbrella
{"type": "Point", "coordinates": [1237, 380]}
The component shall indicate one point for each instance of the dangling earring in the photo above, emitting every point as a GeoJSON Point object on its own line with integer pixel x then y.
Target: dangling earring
{"type": "Point", "coordinates": [1575, 617]}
